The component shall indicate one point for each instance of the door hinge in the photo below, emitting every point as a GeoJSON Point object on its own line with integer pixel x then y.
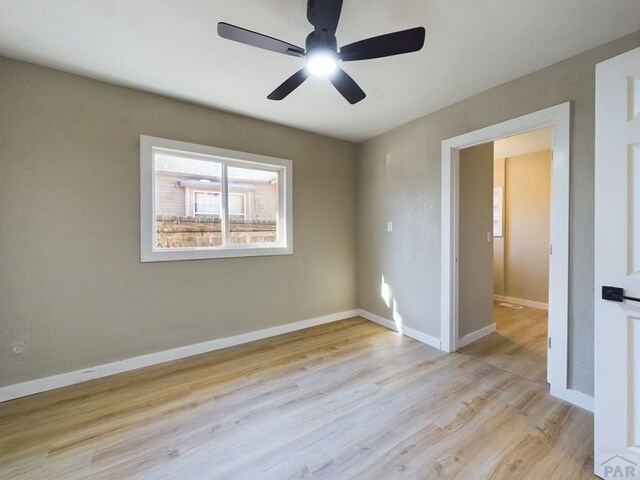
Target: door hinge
{"type": "Point", "coordinates": [551, 249]}
{"type": "Point", "coordinates": [549, 342]}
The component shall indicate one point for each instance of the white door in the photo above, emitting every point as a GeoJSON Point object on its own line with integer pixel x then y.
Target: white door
{"type": "Point", "coordinates": [617, 264]}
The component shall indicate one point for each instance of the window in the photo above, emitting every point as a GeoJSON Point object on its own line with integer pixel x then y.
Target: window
{"type": "Point", "coordinates": [208, 203]}
{"type": "Point", "coordinates": [237, 202]}
{"type": "Point", "coordinates": [204, 202]}
{"type": "Point", "coordinates": [498, 199]}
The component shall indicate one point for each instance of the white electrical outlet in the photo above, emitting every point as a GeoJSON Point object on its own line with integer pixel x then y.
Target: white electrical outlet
{"type": "Point", "coordinates": [389, 227]}
{"type": "Point", "coordinates": [18, 347]}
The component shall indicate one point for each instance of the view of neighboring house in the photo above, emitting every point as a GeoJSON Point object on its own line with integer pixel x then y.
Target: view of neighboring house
{"type": "Point", "coordinates": [189, 203]}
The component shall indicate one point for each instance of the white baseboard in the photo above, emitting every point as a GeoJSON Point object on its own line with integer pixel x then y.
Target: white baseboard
{"type": "Point", "coordinates": [403, 329]}
{"type": "Point", "coordinates": [521, 301]}
{"type": "Point", "coordinates": [390, 324]}
{"type": "Point", "coordinates": [477, 335]}
{"type": "Point", "coordinates": [64, 379]}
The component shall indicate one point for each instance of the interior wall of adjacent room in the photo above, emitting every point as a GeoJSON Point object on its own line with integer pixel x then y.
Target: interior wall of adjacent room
{"type": "Point", "coordinates": [498, 242]}
{"type": "Point", "coordinates": [521, 255]}
{"type": "Point", "coordinates": [399, 180]}
{"type": "Point", "coordinates": [475, 246]}
{"type": "Point", "coordinates": [72, 287]}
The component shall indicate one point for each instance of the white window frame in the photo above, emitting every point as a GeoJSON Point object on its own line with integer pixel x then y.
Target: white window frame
{"type": "Point", "coordinates": [284, 208]}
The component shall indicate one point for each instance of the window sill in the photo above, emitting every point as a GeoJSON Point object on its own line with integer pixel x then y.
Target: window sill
{"type": "Point", "coordinates": [212, 253]}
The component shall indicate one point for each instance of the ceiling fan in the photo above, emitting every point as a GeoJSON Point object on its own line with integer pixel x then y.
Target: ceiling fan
{"type": "Point", "coordinates": [321, 54]}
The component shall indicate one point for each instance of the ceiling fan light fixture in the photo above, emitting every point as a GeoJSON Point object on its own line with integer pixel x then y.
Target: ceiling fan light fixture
{"type": "Point", "coordinates": [321, 55]}
{"type": "Point", "coordinates": [322, 63]}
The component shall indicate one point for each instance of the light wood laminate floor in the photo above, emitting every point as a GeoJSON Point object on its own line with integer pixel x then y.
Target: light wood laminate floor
{"type": "Point", "coordinates": [519, 344]}
{"type": "Point", "coordinates": [346, 400]}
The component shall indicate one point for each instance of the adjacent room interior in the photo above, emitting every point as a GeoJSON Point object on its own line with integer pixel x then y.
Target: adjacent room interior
{"type": "Point", "coordinates": [319, 239]}
{"type": "Point", "coordinates": [520, 216]}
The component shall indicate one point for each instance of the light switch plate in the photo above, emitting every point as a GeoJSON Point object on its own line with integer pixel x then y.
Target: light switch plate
{"type": "Point", "coordinates": [389, 227]}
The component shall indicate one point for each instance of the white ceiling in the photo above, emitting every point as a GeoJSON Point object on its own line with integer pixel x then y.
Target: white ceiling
{"type": "Point", "coordinates": [171, 47]}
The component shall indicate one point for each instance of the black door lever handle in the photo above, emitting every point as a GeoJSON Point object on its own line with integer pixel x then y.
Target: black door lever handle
{"type": "Point", "coordinates": [616, 294]}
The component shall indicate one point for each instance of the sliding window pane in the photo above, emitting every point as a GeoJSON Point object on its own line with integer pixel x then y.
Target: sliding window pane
{"type": "Point", "coordinates": [253, 205]}
{"type": "Point", "coordinates": [187, 202]}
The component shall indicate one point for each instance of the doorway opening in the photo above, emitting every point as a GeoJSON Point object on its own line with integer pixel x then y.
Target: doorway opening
{"type": "Point", "coordinates": [503, 263]}
{"type": "Point", "coordinates": [558, 119]}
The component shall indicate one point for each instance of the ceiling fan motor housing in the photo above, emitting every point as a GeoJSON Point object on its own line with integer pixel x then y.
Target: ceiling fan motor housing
{"type": "Point", "coordinates": [321, 39]}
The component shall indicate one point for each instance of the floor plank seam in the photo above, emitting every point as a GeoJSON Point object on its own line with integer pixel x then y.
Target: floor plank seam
{"type": "Point", "coordinates": [545, 385]}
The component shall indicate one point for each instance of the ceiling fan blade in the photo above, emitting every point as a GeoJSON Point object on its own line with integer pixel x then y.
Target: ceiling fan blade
{"type": "Point", "coordinates": [324, 14]}
{"type": "Point", "coordinates": [397, 43]}
{"type": "Point", "coordinates": [347, 86]}
{"type": "Point", "coordinates": [255, 39]}
{"type": "Point", "coordinates": [289, 85]}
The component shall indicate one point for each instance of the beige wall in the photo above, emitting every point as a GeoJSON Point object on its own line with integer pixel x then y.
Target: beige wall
{"type": "Point", "coordinates": [527, 220]}
{"type": "Point", "coordinates": [475, 260]}
{"type": "Point", "coordinates": [399, 179]}
{"type": "Point", "coordinates": [498, 242]}
{"type": "Point", "coordinates": [71, 284]}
